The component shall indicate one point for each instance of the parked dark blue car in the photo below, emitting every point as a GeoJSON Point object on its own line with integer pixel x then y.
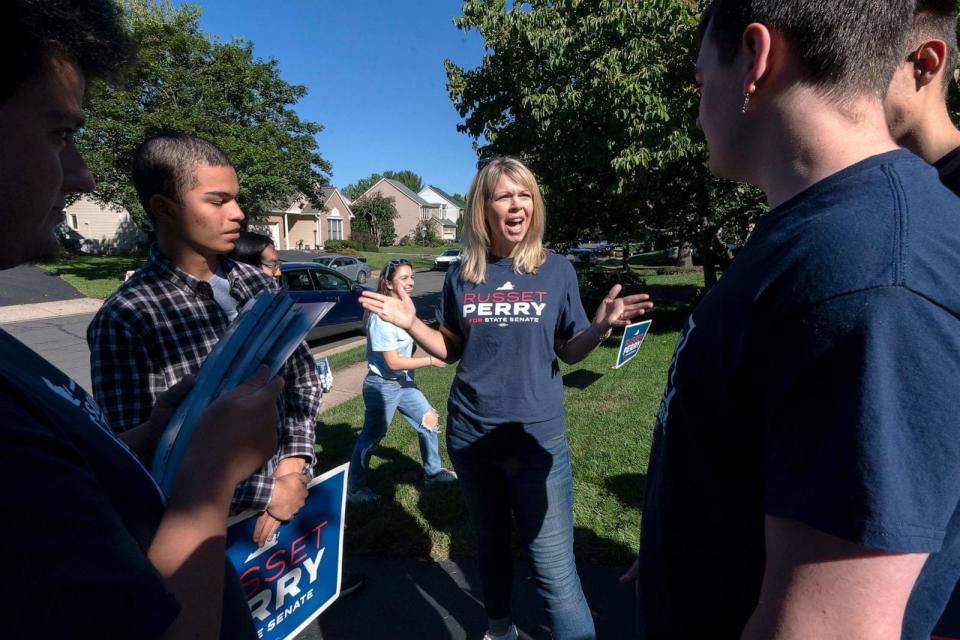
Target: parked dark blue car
{"type": "Point", "coordinates": [309, 282]}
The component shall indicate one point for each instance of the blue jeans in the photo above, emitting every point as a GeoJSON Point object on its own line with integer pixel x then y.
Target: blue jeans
{"type": "Point", "coordinates": [382, 398]}
{"type": "Point", "coordinates": [504, 471]}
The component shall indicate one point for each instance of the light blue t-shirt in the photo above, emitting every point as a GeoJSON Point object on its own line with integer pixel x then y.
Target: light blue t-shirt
{"type": "Point", "coordinates": [383, 336]}
{"type": "Point", "coordinates": [221, 293]}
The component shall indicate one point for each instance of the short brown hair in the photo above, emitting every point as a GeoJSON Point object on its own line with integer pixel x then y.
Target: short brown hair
{"type": "Point", "coordinates": [164, 164]}
{"type": "Point", "coordinates": [86, 32]}
{"type": "Point", "coordinates": [845, 47]}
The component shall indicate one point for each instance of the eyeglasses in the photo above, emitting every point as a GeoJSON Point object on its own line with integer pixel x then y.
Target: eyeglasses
{"type": "Point", "coordinates": [392, 265]}
{"type": "Point", "coordinates": [273, 265]}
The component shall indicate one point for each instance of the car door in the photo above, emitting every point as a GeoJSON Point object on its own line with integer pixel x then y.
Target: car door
{"type": "Point", "coordinates": [337, 288]}
{"type": "Point", "coordinates": [349, 268]}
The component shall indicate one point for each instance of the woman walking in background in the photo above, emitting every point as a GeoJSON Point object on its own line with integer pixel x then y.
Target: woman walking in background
{"type": "Point", "coordinates": [389, 386]}
{"type": "Point", "coordinates": [508, 310]}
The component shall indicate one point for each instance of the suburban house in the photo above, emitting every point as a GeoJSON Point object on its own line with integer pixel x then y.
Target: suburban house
{"type": "Point", "coordinates": [109, 229]}
{"type": "Point", "coordinates": [413, 209]}
{"type": "Point", "coordinates": [450, 207]}
{"type": "Point", "coordinates": [300, 225]}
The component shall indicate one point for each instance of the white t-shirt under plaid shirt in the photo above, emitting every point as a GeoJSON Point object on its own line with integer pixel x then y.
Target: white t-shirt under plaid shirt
{"type": "Point", "coordinates": [159, 326]}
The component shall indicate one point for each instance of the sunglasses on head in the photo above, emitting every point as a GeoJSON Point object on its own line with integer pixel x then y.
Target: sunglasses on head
{"type": "Point", "coordinates": [392, 265]}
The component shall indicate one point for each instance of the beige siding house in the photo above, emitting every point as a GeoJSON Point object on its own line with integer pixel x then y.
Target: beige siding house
{"type": "Point", "coordinates": [300, 225]}
{"type": "Point", "coordinates": [112, 230]}
{"type": "Point", "coordinates": [412, 209]}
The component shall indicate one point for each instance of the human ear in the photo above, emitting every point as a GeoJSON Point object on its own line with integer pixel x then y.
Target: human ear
{"type": "Point", "coordinates": [929, 61]}
{"type": "Point", "coordinates": [162, 207]}
{"type": "Point", "coordinates": [756, 48]}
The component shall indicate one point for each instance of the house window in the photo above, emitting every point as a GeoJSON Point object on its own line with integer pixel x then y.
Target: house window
{"type": "Point", "coordinates": [334, 229]}
{"type": "Point", "coordinates": [423, 213]}
{"type": "Point", "coordinates": [73, 221]}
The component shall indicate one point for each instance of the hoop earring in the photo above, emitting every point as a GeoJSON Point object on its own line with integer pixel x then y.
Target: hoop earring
{"type": "Point", "coordinates": [746, 101]}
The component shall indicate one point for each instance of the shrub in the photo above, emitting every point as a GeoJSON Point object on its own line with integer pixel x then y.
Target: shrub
{"type": "Point", "coordinates": [338, 246]}
{"type": "Point", "coordinates": [365, 241]}
{"type": "Point", "coordinates": [596, 283]}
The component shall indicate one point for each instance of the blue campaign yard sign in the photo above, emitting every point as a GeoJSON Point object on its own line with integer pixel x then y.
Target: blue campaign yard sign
{"type": "Point", "coordinates": [293, 578]}
{"type": "Point", "coordinates": [633, 336]}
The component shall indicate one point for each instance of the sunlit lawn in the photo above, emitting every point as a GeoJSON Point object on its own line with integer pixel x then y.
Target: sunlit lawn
{"type": "Point", "coordinates": [93, 276]}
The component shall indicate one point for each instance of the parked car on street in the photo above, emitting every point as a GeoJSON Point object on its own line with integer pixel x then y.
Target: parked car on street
{"type": "Point", "coordinates": [443, 261]}
{"type": "Point", "coordinates": [580, 256]}
{"type": "Point", "coordinates": [309, 282]}
{"type": "Point", "coordinates": [353, 267]}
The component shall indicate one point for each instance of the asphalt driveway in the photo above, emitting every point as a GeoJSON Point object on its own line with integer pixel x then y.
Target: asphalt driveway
{"type": "Point", "coordinates": [28, 284]}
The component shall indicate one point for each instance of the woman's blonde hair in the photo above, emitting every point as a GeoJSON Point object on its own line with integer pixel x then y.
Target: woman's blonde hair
{"type": "Point", "coordinates": [476, 232]}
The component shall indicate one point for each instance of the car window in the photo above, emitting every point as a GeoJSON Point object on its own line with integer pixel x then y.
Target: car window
{"type": "Point", "coordinates": [324, 261]}
{"type": "Point", "coordinates": [297, 280]}
{"type": "Point", "coordinates": [331, 281]}
{"type": "Point", "coordinates": [339, 262]}
{"type": "Point", "coordinates": [451, 252]}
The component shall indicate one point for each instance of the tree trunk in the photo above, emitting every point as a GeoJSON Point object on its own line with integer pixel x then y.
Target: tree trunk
{"type": "Point", "coordinates": [685, 255]}
{"type": "Point", "coordinates": [626, 254]}
{"type": "Point", "coordinates": [707, 234]}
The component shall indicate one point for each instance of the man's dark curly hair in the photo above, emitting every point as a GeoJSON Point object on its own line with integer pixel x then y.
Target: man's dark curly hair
{"type": "Point", "coordinates": [88, 32]}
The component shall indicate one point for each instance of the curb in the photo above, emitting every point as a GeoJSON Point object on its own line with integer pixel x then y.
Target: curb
{"type": "Point", "coordinates": [45, 310]}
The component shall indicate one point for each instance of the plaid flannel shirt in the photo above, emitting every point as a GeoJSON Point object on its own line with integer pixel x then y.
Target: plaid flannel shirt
{"type": "Point", "coordinates": [159, 326]}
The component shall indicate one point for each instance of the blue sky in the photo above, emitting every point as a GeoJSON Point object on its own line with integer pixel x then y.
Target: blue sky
{"type": "Point", "coordinates": [375, 78]}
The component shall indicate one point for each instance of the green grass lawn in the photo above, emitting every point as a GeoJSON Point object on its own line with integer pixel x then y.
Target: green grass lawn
{"type": "Point", "coordinates": [609, 421]}
{"type": "Point", "coordinates": [93, 276]}
{"type": "Point", "coordinates": [423, 258]}
{"type": "Point", "coordinates": [347, 358]}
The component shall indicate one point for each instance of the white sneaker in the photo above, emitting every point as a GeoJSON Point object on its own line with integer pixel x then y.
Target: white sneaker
{"type": "Point", "coordinates": [511, 634]}
{"type": "Point", "coordinates": [360, 496]}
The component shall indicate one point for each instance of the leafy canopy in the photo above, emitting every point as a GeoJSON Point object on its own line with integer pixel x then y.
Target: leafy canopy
{"type": "Point", "coordinates": [375, 214]}
{"type": "Point", "coordinates": [186, 80]}
{"type": "Point", "coordinates": [406, 177]}
{"type": "Point", "coordinates": [597, 97]}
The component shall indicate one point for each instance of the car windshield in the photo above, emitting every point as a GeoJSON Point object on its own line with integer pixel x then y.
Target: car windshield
{"type": "Point", "coordinates": [451, 252]}
{"type": "Point", "coordinates": [324, 261]}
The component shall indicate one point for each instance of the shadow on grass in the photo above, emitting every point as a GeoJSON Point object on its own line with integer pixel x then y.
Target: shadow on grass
{"type": "Point", "coordinates": [629, 488]}
{"type": "Point", "coordinates": [581, 378]}
{"type": "Point", "coordinates": [383, 527]}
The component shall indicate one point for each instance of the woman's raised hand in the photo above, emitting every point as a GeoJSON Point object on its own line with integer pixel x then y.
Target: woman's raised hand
{"type": "Point", "coordinates": [397, 311]}
{"type": "Point", "coordinates": [618, 312]}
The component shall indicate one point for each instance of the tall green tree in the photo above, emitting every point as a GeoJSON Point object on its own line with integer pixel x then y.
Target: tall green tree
{"type": "Point", "coordinates": [377, 213]}
{"type": "Point", "coordinates": [358, 188]}
{"type": "Point", "coordinates": [188, 81]}
{"type": "Point", "coordinates": [406, 177]}
{"type": "Point", "coordinates": [597, 97]}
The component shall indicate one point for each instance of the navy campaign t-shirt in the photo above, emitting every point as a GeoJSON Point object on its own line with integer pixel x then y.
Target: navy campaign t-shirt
{"type": "Point", "coordinates": [817, 381]}
{"type": "Point", "coordinates": [510, 325]}
{"type": "Point", "coordinates": [81, 515]}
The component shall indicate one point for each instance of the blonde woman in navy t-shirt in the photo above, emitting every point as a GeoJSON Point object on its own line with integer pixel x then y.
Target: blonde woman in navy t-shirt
{"type": "Point", "coordinates": [507, 312]}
